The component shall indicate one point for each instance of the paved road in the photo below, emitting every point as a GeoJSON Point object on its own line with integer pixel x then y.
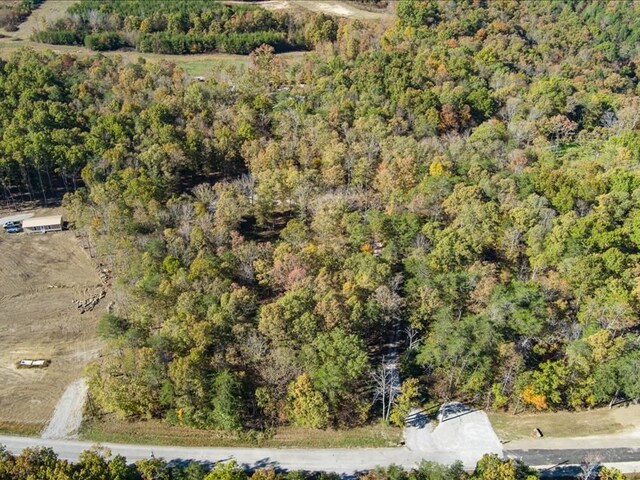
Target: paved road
{"type": "Point", "coordinates": [345, 461]}
{"type": "Point", "coordinates": [574, 456]}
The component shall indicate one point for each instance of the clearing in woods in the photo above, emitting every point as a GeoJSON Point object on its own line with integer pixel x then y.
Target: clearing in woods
{"type": "Point", "coordinates": [40, 276]}
{"type": "Point", "coordinates": [198, 65]}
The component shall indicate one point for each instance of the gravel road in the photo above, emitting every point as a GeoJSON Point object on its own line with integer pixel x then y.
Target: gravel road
{"type": "Point", "coordinates": [67, 416]}
{"type": "Point", "coordinates": [343, 461]}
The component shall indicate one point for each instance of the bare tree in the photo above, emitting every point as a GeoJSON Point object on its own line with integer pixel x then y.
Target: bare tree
{"type": "Point", "coordinates": [608, 119]}
{"type": "Point", "coordinates": [389, 300]}
{"type": "Point", "coordinates": [255, 347]}
{"type": "Point", "coordinates": [386, 386]}
{"type": "Point", "coordinates": [246, 186]}
{"type": "Point", "coordinates": [628, 117]}
{"type": "Point", "coordinates": [206, 195]}
{"type": "Point", "coordinates": [589, 465]}
{"type": "Point", "coordinates": [411, 333]}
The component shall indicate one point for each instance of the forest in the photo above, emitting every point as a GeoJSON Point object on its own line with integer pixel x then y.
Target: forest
{"type": "Point", "coordinates": [100, 464]}
{"type": "Point", "coordinates": [184, 27]}
{"type": "Point", "coordinates": [461, 186]}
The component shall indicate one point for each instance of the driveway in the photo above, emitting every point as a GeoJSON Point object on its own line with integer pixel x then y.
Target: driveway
{"type": "Point", "coordinates": [469, 434]}
{"type": "Point", "coordinates": [67, 416]}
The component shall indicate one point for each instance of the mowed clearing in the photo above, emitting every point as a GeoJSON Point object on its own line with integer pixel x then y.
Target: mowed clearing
{"type": "Point", "coordinates": [622, 419]}
{"type": "Point", "coordinates": [40, 276]}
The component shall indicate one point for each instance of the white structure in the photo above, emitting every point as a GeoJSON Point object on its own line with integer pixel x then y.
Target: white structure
{"type": "Point", "coordinates": [51, 223]}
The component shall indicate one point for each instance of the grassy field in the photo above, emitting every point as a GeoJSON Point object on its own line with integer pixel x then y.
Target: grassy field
{"type": "Point", "coordinates": [21, 429]}
{"type": "Point", "coordinates": [155, 432]}
{"type": "Point", "coordinates": [196, 65]}
{"type": "Point", "coordinates": [599, 421]}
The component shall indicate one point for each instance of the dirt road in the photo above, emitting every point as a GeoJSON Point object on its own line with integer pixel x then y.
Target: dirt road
{"type": "Point", "coordinates": [67, 416]}
{"type": "Point", "coordinates": [338, 460]}
{"type": "Point", "coordinates": [330, 7]}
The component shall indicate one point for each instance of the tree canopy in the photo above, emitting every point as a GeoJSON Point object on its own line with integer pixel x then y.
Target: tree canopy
{"type": "Point", "coordinates": [468, 175]}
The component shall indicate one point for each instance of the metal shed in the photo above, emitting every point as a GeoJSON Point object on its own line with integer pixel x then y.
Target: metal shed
{"type": "Point", "coordinates": [52, 223]}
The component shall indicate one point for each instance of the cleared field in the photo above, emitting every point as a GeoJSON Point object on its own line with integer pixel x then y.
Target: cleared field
{"type": "Point", "coordinates": [330, 7]}
{"type": "Point", "coordinates": [40, 276]}
{"type": "Point", "coordinates": [197, 65]}
{"type": "Point", "coordinates": [601, 421]}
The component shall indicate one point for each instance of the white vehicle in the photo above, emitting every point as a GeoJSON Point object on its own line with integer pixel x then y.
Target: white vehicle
{"type": "Point", "coordinates": [11, 224]}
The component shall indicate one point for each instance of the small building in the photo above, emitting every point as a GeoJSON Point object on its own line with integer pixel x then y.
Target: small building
{"type": "Point", "coordinates": [52, 223]}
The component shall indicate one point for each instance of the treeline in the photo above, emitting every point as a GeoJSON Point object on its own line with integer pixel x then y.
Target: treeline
{"type": "Point", "coordinates": [176, 27]}
{"type": "Point", "coordinates": [241, 43]}
{"type": "Point", "coordinates": [44, 464]}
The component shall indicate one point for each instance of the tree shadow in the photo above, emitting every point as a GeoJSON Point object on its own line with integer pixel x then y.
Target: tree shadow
{"type": "Point", "coordinates": [562, 471]}
{"type": "Point", "coordinates": [417, 419]}
{"type": "Point", "coordinates": [458, 415]}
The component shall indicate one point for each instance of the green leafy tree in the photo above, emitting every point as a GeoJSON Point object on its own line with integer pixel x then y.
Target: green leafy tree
{"type": "Point", "coordinates": [226, 401]}
{"type": "Point", "coordinates": [409, 395]}
{"type": "Point", "coordinates": [306, 406]}
{"type": "Point", "coordinates": [336, 362]}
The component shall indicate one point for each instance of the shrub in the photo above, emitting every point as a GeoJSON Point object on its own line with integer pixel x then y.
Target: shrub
{"type": "Point", "coordinates": [104, 41]}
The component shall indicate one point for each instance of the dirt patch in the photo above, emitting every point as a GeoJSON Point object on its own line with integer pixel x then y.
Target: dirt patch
{"type": "Point", "coordinates": [48, 11]}
{"type": "Point", "coordinates": [40, 276]}
{"type": "Point", "coordinates": [343, 9]}
{"type": "Point", "coordinates": [330, 7]}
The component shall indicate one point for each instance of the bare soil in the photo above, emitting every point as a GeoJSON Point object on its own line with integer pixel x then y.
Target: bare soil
{"type": "Point", "coordinates": [67, 417]}
{"type": "Point", "coordinates": [330, 7]}
{"type": "Point", "coordinates": [48, 11]}
{"type": "Point", "coordinates": [40, 276]}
